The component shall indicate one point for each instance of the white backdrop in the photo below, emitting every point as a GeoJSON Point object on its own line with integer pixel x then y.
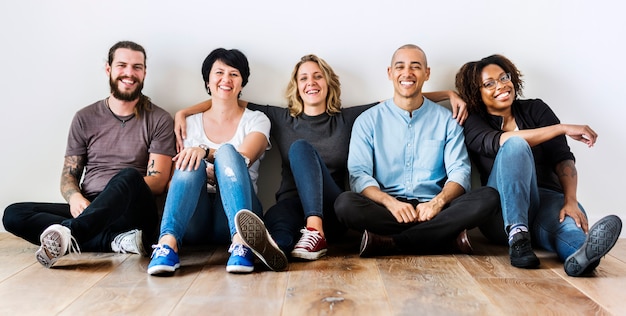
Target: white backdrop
{"type": "Point", "coordinates": [53, 55]}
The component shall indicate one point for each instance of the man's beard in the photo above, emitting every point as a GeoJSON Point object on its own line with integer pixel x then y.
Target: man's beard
{"type": "Point", "coordinates": [128, 96]}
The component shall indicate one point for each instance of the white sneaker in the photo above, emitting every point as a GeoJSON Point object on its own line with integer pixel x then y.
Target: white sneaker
{"type": "Point", "coordinates": [129, 242]}
{"type": "Point", "coordinates": [56, 241]}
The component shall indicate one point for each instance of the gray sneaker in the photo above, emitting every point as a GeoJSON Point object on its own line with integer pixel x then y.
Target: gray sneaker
{"type": "Point", "coordinates": [56, 241]}
{"type": "Point", "coordinates": [255, 236]}
{"type": "Point", "coordinates": [129, 242]}
{"type": "Point", "coordinates": [601, 238]}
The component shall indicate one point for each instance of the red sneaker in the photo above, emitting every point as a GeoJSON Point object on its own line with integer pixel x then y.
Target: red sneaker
{"type": "Point", "coordinates": [311, 245]}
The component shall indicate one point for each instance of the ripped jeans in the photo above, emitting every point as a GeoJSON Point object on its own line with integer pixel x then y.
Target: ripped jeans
{"type": "Point", "coordinates": [195, 216]}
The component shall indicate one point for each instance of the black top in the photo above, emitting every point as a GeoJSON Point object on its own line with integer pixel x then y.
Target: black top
{"type": "Point", "coordinates": [482, 137]}
{"type": "Point", "coordinates": [328, 134]}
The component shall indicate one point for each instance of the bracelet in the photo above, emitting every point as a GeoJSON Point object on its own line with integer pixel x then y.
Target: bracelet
{"type": "Point", "coordinates": [206, 149]}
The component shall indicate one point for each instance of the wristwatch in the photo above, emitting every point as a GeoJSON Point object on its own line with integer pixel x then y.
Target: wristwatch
{"type": "Point", "coordinates": [206, 149]}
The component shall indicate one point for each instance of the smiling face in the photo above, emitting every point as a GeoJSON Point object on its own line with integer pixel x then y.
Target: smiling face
{"type": "Point", "coordinates": [408, 72]}
{"type": "Point", "coordinates": [126, 73]}
{"type": "Point", "coordinates": [224, 81]}
{"type": "Point", "coordinates": [500, 99]}
{"type": "Point", "coordinates": [312, 85]}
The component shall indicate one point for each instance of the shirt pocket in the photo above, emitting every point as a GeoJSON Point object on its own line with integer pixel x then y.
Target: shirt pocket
{"type": "Point", "coordinates": [430, 155]}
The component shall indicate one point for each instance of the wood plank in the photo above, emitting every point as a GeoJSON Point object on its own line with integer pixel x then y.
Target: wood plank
{"type": "Point", "coordinates": [341, 285]}
{"type": "Point", "coordinates": [217, 292]}
{"type": "Point", "coordinates": [16, 255]}
{"type": "Point", "coordinates": [537, 296]}
{"type": "Point", "coordinates": [37, 290]}
{"type": "Point", "coordinates": [619, 251]}
{"type": "Point", "coordinates": [605, 285]}
{"type": "Point", "coordinates": [432, 285]}
{"type": "Point", "coordinates": [129, 289]}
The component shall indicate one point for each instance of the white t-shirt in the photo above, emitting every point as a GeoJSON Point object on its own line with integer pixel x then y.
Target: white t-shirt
{"type": "Point", "coordinates": [251, 121]}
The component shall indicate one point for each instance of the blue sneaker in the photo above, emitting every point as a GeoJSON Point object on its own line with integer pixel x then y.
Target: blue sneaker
{"type": "Point", "coordinates": [241, 259]}
{"type": "Point", "coordinates": [164, 260]}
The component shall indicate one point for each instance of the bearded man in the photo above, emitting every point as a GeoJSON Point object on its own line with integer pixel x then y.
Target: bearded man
{"type": "Point", "coordinates": [121, 148]}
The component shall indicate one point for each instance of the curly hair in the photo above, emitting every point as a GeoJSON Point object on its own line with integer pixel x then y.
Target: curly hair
{"type": "Point", "coordinates": [469, 81]}
{"type": "Point", "coordinates": [333, 99]}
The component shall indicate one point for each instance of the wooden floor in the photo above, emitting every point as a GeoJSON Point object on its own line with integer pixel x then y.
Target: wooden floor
{"type": "Point", "coordinates": [339, 284]}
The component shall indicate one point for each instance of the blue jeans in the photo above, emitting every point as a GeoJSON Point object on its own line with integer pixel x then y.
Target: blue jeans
{"type": "Point", "coordinates": [317, 192]}
{"type": "Point", "coordinates": [514, 176]}
{"type": "Point", "coordinates": [195, 216]}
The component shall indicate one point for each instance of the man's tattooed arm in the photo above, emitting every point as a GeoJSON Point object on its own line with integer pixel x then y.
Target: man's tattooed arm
{"type": "Point", "coordinates": [158, 172]}
{"type": "Point", "coordinates": [73, 167]}
{"type": "Point", "coordinates": [566, 168]}
{"type": "Point", "coordinates": [151, 170]}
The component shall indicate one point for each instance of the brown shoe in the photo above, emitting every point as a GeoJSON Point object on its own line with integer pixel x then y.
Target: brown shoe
{"type": "Point", "coordinates": [376, 245]}
{"type": "Point", "coordinates": [463, 243]}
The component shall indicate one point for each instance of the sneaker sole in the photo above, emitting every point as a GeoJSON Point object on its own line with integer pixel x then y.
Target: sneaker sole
{"type": "Point", "coordinates": [307, 255]}
{"type": "Point", "coordinates": [600, 240]}
{"type": "Point", "coordinates": [363, 246]}
{"type": "Point", "coordinates": [531, 263]}
{"type": "Point", "coordinates": [256, 237]}
{"type": "Point", "coordinates": [239, 269]}
{"type": "Point", "coordinates": [163, 269]}
{"type": "Point", "coordinates": [45, 255]}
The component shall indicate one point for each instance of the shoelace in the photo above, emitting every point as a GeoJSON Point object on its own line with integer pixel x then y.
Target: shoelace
{"type": "Point", "coordinates": [522, 246]}
{"type": "Point", "coordinates": [123, 242]}
{"type": "Point", "coordinates": [55, 247]}
{"type": "Point", "coordinates": [74, 248]}
{"type": "Point", "coordinates": [159, 251]}
{"type": "Point", "coordinates": [238, 250]}
{"type": "Point", "coordinates": [309, 239]}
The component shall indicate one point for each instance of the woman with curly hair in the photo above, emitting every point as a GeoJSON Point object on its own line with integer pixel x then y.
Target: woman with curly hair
{"type": "Point", "coordinates": [519, 147]}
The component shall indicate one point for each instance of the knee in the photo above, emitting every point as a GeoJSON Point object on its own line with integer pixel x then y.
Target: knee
{"type": "Point", "coordinates": [10, 219]}
{"type": "Point", "coordinates": [130, 173]}
{"type": "Point", "coordinates": [343, 203]}
{"type": "Point", "coordinates": [515, 146]}
{"type": "Point", "coordinates": [491, 198]}
{"type": "Point", "coordinates": [225, 151]}
{"type": "Point", "coordinates": [187, 175]}
{"type": "Point", "coordinates": [226, 156]}
{"type": "Point", "coordinates": [299, 147]}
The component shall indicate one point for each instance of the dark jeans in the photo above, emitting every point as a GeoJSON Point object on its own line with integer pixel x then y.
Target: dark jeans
{"type": "Point", "coordinates": [470, 210]}
{"type": "Point", "coordinates": [125, 203]}
{"type": "Point", "coordinates": [317, 192]}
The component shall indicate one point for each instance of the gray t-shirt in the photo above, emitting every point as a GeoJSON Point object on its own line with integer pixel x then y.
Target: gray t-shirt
{"type": "Point", "coordinates": [111, 147]}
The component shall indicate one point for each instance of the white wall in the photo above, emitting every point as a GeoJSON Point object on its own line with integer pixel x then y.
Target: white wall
{"type": "Point", "coordinates": [53, 55]}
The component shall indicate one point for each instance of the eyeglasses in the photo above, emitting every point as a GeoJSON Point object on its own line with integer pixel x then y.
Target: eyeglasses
{"type": "Point", "coordinates": [491, 84]}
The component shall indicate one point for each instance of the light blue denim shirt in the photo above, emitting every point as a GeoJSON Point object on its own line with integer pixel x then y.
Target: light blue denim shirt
{"type": "Point", "coordinates": [409, 156]}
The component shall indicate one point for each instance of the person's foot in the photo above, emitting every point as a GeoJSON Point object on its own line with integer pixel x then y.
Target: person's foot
{"type": "Point", "coordinates": [311, 245]}
{"type": "Point", "coordinates": [521, 252]}
{"type": "Point", "coordinates": [129, 242]}
{"type": "Point", "coordinates": [601, 238]}
{"type": "Point", "coordinates": [241, 259]}
{"type": "Point", "coordinates": [463, 244]}
{"type": "Point", "coordinates": [56, 241]}
{"type": "Point", "coordinates": [255, 236]}
{"type": "Point", "coordinates": [376, 245]}
{"type": "Point", "coordinates": [164, 260]}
